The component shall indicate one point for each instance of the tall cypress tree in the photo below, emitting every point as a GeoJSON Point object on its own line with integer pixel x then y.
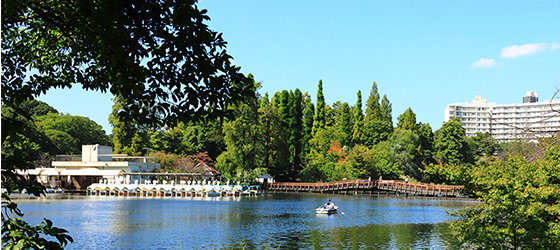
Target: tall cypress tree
{"type": "Point", "coordinates": [378, 124]}
{"type": "Point", "coordinates": [276, 99]}
{"type": "Point", "coordinates": [407, 120]}
{"type": "Point", "coordinates": [357, 132]}
{"type": "Point", "coordinates": [283, 143]}
{"type": "Point", "coordinates": [264, 100]}
{"type": "Point", "coordinates": [264, 116]}
{"type": "Point", "coordinates": [291, 123]}
{"type": "Point", "coordinates": [345, 124]}
{"type": "Point", "coordinates": [386, 110]}
{"type": "Point", "coordinates": [308, 114]}
{"type": "Point", "coordinates": [273, 137]}
{"type": "Point", "coordinates": [284, 109]}
{"type": "Point", "coordinates": [297, 129]}
{"type": "Point", "coordinates": [319, 118]}
{"type": "Point", "coordinates": [373, 110]}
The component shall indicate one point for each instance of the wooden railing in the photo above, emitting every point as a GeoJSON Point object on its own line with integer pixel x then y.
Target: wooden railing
{"type": "Point", "coordinates": [397, 186]}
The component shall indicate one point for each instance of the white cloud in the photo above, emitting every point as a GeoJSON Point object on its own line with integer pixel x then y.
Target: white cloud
{"type": "Point", "coordinates": [554, 46]}
{"type": "Point", "coordinates": [484, 63]}
{"type": "Point", "coordinates": [527, 49]}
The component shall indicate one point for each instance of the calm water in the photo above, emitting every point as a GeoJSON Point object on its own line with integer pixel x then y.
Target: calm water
{"type": "Point", "coordinates": [273, 221]}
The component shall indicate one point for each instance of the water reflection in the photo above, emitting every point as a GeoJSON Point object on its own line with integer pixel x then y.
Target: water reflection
{"type": "Point", "coordinates": [276, 221]}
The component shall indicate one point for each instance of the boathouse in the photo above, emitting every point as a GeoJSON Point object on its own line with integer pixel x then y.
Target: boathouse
{"type": "Point", "coordinates": [96, 163]}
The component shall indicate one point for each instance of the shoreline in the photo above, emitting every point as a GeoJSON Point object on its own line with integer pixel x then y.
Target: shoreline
{"type": "Point", "coordinates": [80, 193]}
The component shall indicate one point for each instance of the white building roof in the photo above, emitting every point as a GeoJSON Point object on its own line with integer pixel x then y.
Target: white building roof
{"type": "Point", "coordinates": [91, 172]}
{"type": "Point", "coordinates": [70, 172]}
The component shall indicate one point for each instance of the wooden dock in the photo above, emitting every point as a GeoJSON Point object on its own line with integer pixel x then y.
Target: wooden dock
{"type": "Point", "coordinates": [374, 187]}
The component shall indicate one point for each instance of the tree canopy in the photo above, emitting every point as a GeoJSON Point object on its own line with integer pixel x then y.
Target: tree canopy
{"type": "Point", "coordinates": [159, 56]}
{"type": "Point", "coordinates": [37, 108]}
{"type": "Point", "coordinates": [68, 133]}
{"type": "Point", "coordinates": [450, 143]}
{"type": "Point", "coordinates": [521, 208]}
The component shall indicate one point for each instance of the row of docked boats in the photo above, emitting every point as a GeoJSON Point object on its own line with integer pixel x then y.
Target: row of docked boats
{"type": "Point", "coordinates": [182, 189]}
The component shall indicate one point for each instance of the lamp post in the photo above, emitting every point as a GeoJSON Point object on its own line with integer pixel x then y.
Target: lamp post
{"type": "Point", "coordinates": [58, 170]}
{"type": "Point", "coordinates": [147, 150]}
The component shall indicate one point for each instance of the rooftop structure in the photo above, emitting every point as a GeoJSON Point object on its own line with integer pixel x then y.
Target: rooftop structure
{"type": "Point", "coordinates": [531, 97]}
{"type": "Point", "coordinates": [529, 120]}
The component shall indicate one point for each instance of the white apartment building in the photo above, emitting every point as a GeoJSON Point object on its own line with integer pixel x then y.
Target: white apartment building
{"type": "Point", "coordinates": [475, 115]}
{"type": "Point", "coordinates": [508, 122]}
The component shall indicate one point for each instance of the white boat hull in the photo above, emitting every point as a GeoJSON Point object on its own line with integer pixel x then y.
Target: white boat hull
{"type": "Point", "coordinates": [326, 210]}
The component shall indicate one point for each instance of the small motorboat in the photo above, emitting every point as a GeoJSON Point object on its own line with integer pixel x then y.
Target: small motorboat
{"type": "Point", "coordinates": [327, 210]}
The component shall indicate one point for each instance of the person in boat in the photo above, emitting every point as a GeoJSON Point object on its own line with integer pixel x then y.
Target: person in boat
{"type": "Point", "coordinates": [329, 204]}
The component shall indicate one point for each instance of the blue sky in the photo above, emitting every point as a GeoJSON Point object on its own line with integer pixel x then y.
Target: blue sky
{"type": "Point", "coordinates": [422, 54]}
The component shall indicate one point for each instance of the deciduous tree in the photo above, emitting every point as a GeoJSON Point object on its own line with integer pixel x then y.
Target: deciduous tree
{"type": "Point", "coordinates": [37, 108]}
{"type": "Point", "coordinates": [450, 143]}
{"type": "Point", "coordinates": [404, 144]}
{"type": "Point", "coordinates": [160, 56]}
{"type": "Point", "coordinates": [482, 145]}
{"type": "Point", "coordinates": [375, 131]}
{"type": "Point", "coordinates": [174, 140]}
{"type": "Point", "coordinates": [424, 151]}
{"type": "Point", "coordinates": [383, 160]}
{"type": "Point", "coordinates": [520, 208]}
{"type": "Point", "coordinates": [243, 138]}
{"type": "Point", "coordinates": [70, 132]}
{"type": "Point", "coordinates": [126, 134]}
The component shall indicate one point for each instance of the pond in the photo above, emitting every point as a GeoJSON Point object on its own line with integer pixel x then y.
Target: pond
{"type": "Point", "coordinates": [272, 220]}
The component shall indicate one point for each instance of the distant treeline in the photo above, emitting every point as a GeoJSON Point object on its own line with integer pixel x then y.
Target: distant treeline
{"type": "Point", "coordinates": [286, 135]}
